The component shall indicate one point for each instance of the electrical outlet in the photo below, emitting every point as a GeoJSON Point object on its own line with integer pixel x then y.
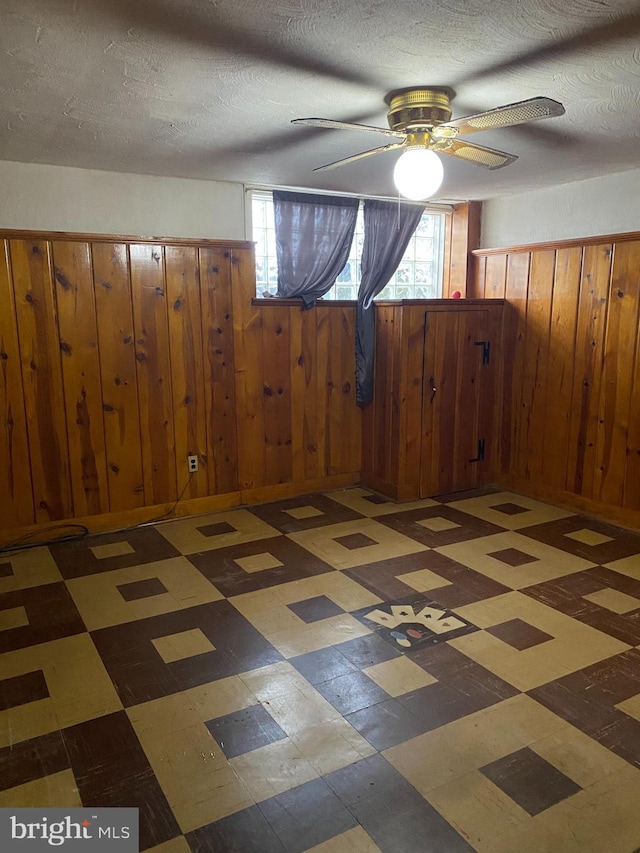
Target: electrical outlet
{"type": "Point", "coordinates": [192, 462]}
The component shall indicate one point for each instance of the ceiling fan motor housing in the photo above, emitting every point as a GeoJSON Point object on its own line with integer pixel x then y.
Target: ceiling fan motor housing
{"type": "Point", "coordinates": [411, 109]}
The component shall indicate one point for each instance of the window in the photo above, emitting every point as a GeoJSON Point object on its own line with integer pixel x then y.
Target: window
{"type": "Point", "coordinates": [419, 274]}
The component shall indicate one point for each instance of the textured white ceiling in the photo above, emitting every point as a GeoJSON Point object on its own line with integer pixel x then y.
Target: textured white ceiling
{"type": "Point", "coordinates": [207, 88]}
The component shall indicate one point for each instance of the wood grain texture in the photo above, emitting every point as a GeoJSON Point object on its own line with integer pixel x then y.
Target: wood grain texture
{"type": "Point", "coordinates": [187, 368]}
{"type": "Point", "coordinates": [16, 508]}
{"type": "Point", "coordinates": [278, 454]}
{"type": "Point", "coordinates": [116, 344]}
{"type": "Point", "coordinates": [78, 331]}
{"type": "Point", "coordinates": [42, 379]}
{"type": "Point", "coordinates": [153, 367]}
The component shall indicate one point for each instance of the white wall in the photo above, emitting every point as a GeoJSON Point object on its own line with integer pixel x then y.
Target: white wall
{"type": "Point", "coordinates": [58, 198]}
{"type": "Point", "coordinates": [608, 205]}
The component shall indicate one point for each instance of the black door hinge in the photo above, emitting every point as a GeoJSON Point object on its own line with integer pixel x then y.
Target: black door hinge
{"type": "Point", "coordinates": [480, 456]}
{"type": "Point", "coordinates": [486, 350]}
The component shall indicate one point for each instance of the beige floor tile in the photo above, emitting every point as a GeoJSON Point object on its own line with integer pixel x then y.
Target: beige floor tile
{"type": "Point", "coordinates": [176, 845]}
{"type": "Point", "coordinates": [33, 567]}
{"type": "Point", "coordinates": [548, 563]}
{"type": "Point", "coordinates": [258, 562]}
{"type": "Point", "coordinates": [218, 698]}
{"type": "Point", "coordinates": [612, 599]}
{"type": "Point", "coordinates": [185, 644]}
{"type": "Point", "coordinates": [300, 512]}
{"type": "Point", "coordinates": [423, 580]}
{"type": "Point", "coordinates": [578, 756]}
{"type": "Point", "coordinates": [437, 524]}
{"type": "Point", "coordinates": [13, 617]}
{"type": "Point", "coordinates": [56, 791]}
{"type": "Point", "coordinates": [354, 840]}
{"type": "Point", "coordinates": [186, 536]}
{"type": "Point", "coordinates": [356, 499]}
{"type": "Point", "coordinates": [588, 537]}
{"type": "Point", "coordinates": [164, 716]}
{"type": "Point", "coordinates": [629, 566]}
{"type": "Point", "coordinates": [476, 807]}
{"type": "Point", "coordinates": [274, 680]}
{"type": "Point", "coordinates": [536, 511]}
{"type": "Point", "coordinates": [203, 801]}
{"type": "Point", "coordinates": [113, 549]}
{"type": "Point", "coordinates": [299, 640]}
{"type": "Point", "coordinates": [436, 758]}
{"type": "Point", "coordinates": [78, 684]}
{"type": "Point", "coordinates": [101, 605]}
{"type": "Point", "coordinates": [631, 706]}
{"type": "Point", "coordinates": [399, 675]}
{"type": "Point", "coordinates": [273, 769]}
{"type": "Point", "coordinates": [388, 543]}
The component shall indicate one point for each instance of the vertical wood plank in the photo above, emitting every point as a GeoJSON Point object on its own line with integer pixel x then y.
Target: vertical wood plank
{"type": "Point", "coordinates": [154, 372]}
{"type": "Point", "coordinates": [588, 364]}
{"type": "Point", "coordinates": [617, 380]}
{"type": "Point", "coordinates": [16, 506]}
{"type": "Point", "coordinates": [410, 399]}
{"type": "Point", "coordinates": [325, 384]}
{"type": "Point", "coordinates": [218, 272]}
{"type": "Point", "coordinates": [119, 383]}
{"type": "Point", "coordinates": [478, 279]}
{"type": "Point", "coordinates": [81, 376]}
{"type": "Point", "coordinates": [309, 366]}
{"type": "Point", "coordinates": [298, 393]}
{"type": "Point", "coordinates": [42, 379]}
{"type": "Point", "coordinates": [187, 368]}
{"type": "Point", "coordinates": [277, 395]}
{"type": "Point", "coordinates": [527, 463]}
{"type": "Point", "coordinates": [495, 280]}
{"type": "Point", "coordinates": [472, 327]}
{"type": "Point", "coordinates": [512, 346]}
{"type": "Point", "coordinates": [564, 310]}
{"type": "Point", "coordinates": [349, 417]}
{"type": "Point", "coordinates": [249, 378]}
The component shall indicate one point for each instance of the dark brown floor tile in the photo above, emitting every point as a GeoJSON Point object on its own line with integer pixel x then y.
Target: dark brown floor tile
{"type": "Point", "coordinates": [32, 759]}
{"type": "Point", "coordinates": [246, 831]}
{"type": "Point", "coordinates": [51, 613]}
{"type": "Point", "coordinates": [366, 651]}
{"type": "Point", "coordinates": [139, 673]}
{"type": "Point", "coordinates": [519, 634]}
{"type": "Point", "coordinates": [623, 543]}
{"type": "Point", "coordinates": [480, 492]}
{"type": "Point", "coordinates": [376, 500]}
{"type": "Point", "coordinates": [112, 771]}
{"type": "Point", "coordinates": [391, 811]}
{"type": "Point", "coordinates": [512, 557]}
{"type": "Point", "coordinates": [217, 528]}
{"type": "Point", "coordinates": [467, 526]}
{"type": "Point", "coordinates": [530, 781]}
{"type": "Point", "coordinates": [314, 609]}
{"type": "Point", "coordinates": [442, 661]}
{"type": "Point", "coordinates": [510, 508]}
{"type": "Point", "coordinates": [386, 724]}
{"type": "Point", "coordinates": [436, 705]}
{"type": "Point", "coordinates": [76, 559]}
{"type": "Point", "coordinates": [230, 578]}
{"type": "Point", "coordinates": [352, 692]}
{"type": "Point", "coordinates": [282, 514]}
{"type": "Point", "coordinates": [322, 665]}
{"type": "Point", "coordinates": [566, 594]}
{"type": "Point", "coordinates": [6, 568]}
{"type": "Point", "coordinates": [353, 541]}
{"type": "Point", "coordinates": [141, 589]}
{"type": "Point", "coordinates": [307, 816]}
{"type": "Point", "coordinates": [22, 689]}
{"type": "Point", "coordinates": [245, 730]}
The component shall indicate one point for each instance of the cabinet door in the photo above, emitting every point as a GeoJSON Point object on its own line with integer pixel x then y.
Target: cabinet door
{"type": "Point", "coordinates": [456, 379]}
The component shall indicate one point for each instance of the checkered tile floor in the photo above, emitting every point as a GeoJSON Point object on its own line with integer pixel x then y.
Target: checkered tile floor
{"type": "Point", "coordinates": [334, 673]}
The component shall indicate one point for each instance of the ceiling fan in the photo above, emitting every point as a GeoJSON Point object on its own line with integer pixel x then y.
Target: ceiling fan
{"type": "Point", "coordinates": [420, 122]}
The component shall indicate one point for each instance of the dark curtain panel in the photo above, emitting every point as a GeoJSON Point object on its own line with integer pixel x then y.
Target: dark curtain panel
{"type": "Point", "coordinates": [313, 238]}
{"type": "Point", "coordinates": [387, 231]}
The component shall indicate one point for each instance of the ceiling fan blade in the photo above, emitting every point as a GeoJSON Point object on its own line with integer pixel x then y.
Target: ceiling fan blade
{"type": "Point", "coordinates": [532, 109]}
{"type": "Point", "coordinates": [347, 125]}
{"type": "Point", "coordinates": [360, 156]}
{"type": "Point", "coordinates": [478, 154]}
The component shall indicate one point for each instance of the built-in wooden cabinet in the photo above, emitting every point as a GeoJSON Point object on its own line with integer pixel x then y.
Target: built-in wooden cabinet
{"type": "Point", "coordinates": [432, 426]}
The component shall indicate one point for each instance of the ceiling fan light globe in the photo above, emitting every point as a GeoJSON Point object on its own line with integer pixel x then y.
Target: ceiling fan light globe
{"type": "Point", "coordinates": [418, 174]}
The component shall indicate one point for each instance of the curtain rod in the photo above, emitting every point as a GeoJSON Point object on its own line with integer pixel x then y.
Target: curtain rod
{"type": "Point", "coordinates": [435, 207]}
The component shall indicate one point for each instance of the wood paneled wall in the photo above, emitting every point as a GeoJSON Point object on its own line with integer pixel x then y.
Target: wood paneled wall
{"type": "Point", "coordinates": [121, 357]}
{"type": "Point", "coordinates": [571, 405]}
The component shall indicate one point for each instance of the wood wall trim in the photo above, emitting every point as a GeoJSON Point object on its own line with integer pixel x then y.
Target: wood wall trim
{"type": "Point", "coordinates": [560, 244]}
{"type": "Point", "coordinates": [19, 234]}
{"type": "Point", "coordinates": [183, 509]}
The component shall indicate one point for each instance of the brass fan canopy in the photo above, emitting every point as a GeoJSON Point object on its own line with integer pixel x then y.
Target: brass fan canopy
{"type": "Point", "coordinates": [412, 109]}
